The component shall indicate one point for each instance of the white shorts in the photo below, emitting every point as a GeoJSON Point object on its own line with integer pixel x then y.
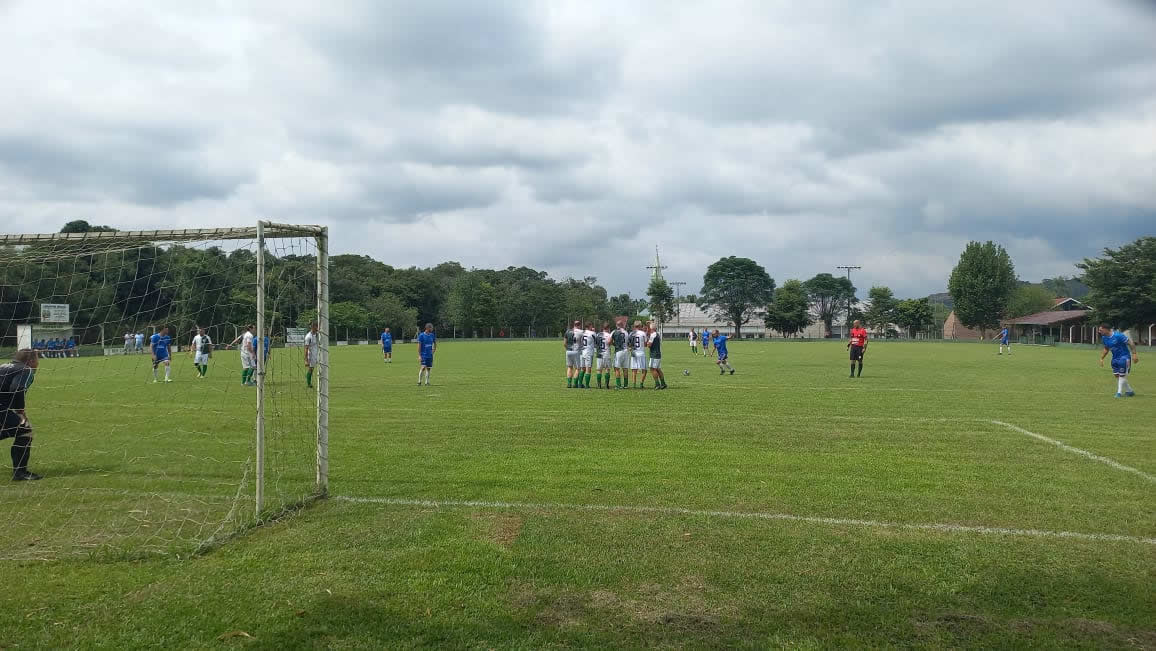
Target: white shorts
{"type": "Point", "coordinates": [638, 362]}
{"type": "Point", "coordinates": [247, 361]}
{"type": "Point", "coordinates": [656, 362]}
{"type": "Point", "coordinates": [311, 361]}
{"type": "Point", "coordinates": [201, 359]}
{"type": "Point", "coordinates": [622, 359]}
{"type": "Point", "coordinates": [572, 358]}
{"type": "Point", "coordinates": [694, 344]}
{"type": "Point", "coordinates": [587, 360]}
{"type": "Point", "coordinates": [604, 362]}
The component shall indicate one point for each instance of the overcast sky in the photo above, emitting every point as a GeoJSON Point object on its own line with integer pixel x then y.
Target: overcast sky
{"type": "Point", "coordinates": [575, 136]}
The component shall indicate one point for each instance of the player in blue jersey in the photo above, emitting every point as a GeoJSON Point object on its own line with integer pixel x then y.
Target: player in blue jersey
{"type": "Point", "coordinates": [159, 345]}
{"type": "Point", "coordinates": [387, 346]}
{"type": "Point", "coordinates": [426, 345]}
{"type": "Point", "coordinates": [1123, 357]}
{"type": "Point", "coordinates": [720, 347]}
{"type": "Point", "coordinates": [1004, 340]}
{"type": "Point", "coordinates": [706, 341]}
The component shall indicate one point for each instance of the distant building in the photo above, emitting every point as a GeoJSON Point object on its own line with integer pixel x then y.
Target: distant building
{"type": "Point", "coordinates": [954, 329]}
{"type": "Point", "coordinates": [1066, 322]}
{"type": "Point", "coordinates": [689, 316]}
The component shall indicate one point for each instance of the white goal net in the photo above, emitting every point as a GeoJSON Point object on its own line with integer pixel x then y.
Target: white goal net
{"type": "Point", "coordinates": [144, 444]}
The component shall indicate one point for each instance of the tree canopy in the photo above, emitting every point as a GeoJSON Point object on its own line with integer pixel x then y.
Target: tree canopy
{"type": "Point", "coordinates": [881, 308]}
{"type": "Point", "coordinates": [981, 285]}
{"type": "Point", "coordinates": [1029, 299]}
{"type": "Point", "coordinates": [789, 313]}
{"type": "Point", "coordinates": [1123, 284]}
{"type": "Point", "coordinates": [735, 290]}
{"type": "Point", "coordinates": [829, 294]}
{"type": "Point", "coordinates": [661, 296]}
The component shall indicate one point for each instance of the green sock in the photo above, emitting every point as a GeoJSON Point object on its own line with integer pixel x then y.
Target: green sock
{"type": "Point", "coordinates": [244, 375]}
{"type": "Point", "coordinates": [309, 378]}
{"type": "Point", "coordinates": [569, 382]}
{"type": "Point", "coordinates": [587, 381]}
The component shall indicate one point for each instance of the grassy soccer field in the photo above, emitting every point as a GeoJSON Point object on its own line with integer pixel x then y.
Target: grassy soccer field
{"type": "Point", "coordinates": [950, 496]}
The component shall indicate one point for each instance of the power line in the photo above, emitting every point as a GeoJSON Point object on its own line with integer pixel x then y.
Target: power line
{"type": "Point", "coordinates": [848, 268]}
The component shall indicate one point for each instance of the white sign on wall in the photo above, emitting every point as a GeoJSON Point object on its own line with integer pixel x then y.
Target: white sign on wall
{"type": "Point", "coordinates": [295, 336]}
{"type": "Point", "coordinates": [54, 312]}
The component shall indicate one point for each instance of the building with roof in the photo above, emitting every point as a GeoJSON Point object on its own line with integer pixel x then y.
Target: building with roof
{"type": "Point", "coordinates": [953, 328]}
{"type": "Point", "coordinates": [1053, 326]}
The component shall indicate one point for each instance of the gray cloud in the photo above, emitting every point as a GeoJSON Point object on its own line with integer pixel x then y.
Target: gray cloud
{"type": "Point", "coordinates": [575, 136]}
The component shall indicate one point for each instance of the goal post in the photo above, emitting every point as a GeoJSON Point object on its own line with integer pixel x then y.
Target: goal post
{"type": "Point", "coordinates": [136, 464]}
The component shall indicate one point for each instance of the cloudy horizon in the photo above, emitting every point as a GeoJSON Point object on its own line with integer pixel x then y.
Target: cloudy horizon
{"type": "Point", "coordinates": [574, 137]}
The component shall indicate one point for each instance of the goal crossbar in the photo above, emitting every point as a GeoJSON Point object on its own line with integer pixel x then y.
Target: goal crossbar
{"type": "Point", "coordinates": [271, 230]}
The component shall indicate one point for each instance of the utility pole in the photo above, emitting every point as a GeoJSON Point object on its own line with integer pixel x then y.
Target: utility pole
{"type": "Point", "coordinates": [678, 301]}
{"type": "Point", "coordinates": [657, 268]}
{"type": "Point", "coordinates": [848, 268]}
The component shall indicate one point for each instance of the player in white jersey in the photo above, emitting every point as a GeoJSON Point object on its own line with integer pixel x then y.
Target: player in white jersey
{"type": "Point", "coordinates": [693, 339]}
{"type": "Point", "coordinates": [128, 339]}
{"type": "Point", "coordinates": [312, 352]}
{"type": "Point", "coordinates": [602, 353]}
{"type": "Point", "coordinates": [586, 362]}
{"type": "Point", "coordinates": [248, 356]}
{"type": "Point", "coordinates": [637, 345]}
{"type": "Point", "coordinates": [573, 341]}
{"type": "Point", "coordinates": [201, 349]}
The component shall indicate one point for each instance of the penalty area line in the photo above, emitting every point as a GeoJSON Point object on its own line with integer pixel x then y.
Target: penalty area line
{"type": "Point", "coordinates": [747, 515]}
{"type": "Point", "coordinates": [1074, 450]}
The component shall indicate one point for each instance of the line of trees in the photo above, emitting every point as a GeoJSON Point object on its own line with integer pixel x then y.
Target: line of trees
{"type": "Point", "coordinates": [1120, 286]}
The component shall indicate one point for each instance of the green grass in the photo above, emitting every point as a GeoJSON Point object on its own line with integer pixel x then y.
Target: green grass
{"type": "Point", "coordinates": [912, 442]}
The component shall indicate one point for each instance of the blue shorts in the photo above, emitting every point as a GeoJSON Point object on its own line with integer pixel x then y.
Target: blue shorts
{"type": "Point", "coordinates": [722, 357]}
{"type": "Point", "coordinates": [427, 362]}
{"type": "Point", "coordinates": [1004, 342]}
{"type": "Point", "coordinates": [386, 349]}
{"type": "Point", "coordinates": [1121, 365]}
{"type": "Point", "coordinates": [164, 357]}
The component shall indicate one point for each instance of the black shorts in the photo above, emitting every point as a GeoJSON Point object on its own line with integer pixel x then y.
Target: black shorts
{"type": "Point", "coordinates": [13, 424]}
{"type": "Point", "coordinates": [856, 353]}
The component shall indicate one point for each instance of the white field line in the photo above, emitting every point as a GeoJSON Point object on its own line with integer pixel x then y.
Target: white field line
{"type": "Point", "coordinates": [1074, 450]}
{"type": "Point", "coordinates": [669, 510]}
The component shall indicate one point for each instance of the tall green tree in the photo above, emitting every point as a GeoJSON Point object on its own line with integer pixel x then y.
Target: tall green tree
{"type": "Point", "coordinates": [624, 305]}
{"type": "Point", "coordinates": [981, 285]}
{"type": "Point", "coordinates": [790, 312]}
{"type": "Point", "coordinates": [914, 315]}
{"type": "Point", "coordinates": [387, 311]}
{"type": "Point", "coordinates": [736, 290]}
{"type": "Point", "coordinates": [661, 304]}
{"type": "Point", "coordinates": [881, 310]}
{"type": "Point", "coordinates": [1029, 299]}
{"type": "Point", "coordinates": [829, 296]}
{"type": "Point", "coordinates": [1123, 284]}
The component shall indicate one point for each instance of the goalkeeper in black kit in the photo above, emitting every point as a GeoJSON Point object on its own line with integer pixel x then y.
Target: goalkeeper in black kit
{"type": "Point", "coordinates": [15, 378]}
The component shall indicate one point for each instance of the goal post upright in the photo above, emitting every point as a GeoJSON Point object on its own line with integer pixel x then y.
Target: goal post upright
{"type": "Point", "coordinates": [260, 362]}
{"type": "Point", "coordinates": [322, 238]}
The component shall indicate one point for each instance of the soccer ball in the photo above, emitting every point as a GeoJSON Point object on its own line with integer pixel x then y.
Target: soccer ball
{"type": "Point", "coordinates": [686, 371]}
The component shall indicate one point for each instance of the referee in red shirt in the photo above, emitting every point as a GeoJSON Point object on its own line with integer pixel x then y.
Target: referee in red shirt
{"type": "Point", "coordinates": [858, 346]}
